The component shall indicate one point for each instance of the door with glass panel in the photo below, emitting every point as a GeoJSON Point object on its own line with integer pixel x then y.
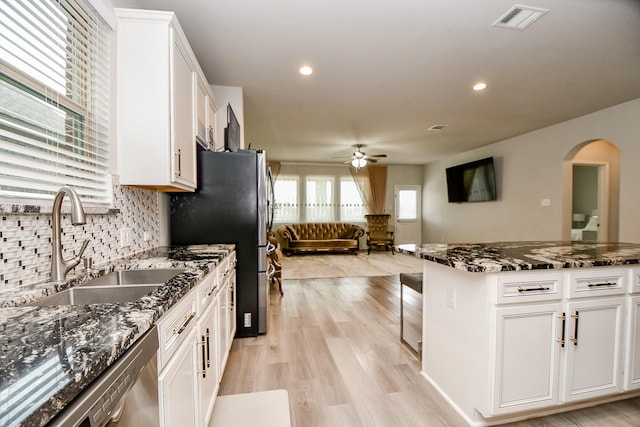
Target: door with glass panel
{"type": "Point", "coordinates": [408, 228]}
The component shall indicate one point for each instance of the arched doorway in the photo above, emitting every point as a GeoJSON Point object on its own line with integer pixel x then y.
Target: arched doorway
{"type": "Point", "coordinates": [591, 195]}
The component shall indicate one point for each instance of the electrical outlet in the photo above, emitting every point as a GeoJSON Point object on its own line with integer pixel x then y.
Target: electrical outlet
{"type": "Point", "coordinates": [451, 298]}
{"type": "Point", "coordinates": [247, 320]}
{"type": "Point", "coordinates": [126, 237]}
{"type": "Point", "coordinates": [146, 236]}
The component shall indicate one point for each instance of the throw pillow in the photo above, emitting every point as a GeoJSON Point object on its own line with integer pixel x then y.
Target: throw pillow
{"type": "Point", "coordinates": [294, 235]}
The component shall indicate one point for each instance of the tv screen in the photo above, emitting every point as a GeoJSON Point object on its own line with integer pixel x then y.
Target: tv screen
{"type": "Point", "coordinates": [232, 131]}
{"type": "Point", "coordinates": [472, 182]}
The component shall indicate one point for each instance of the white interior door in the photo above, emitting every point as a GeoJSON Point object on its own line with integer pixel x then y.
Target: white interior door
{"type": "Point", "coordinates": [408, 226]}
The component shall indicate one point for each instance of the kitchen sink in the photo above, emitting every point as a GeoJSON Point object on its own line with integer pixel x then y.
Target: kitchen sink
{"type": "Point", "coordinates": [88, 295]}
{"type": "Point", "coordinates": [156, 276]}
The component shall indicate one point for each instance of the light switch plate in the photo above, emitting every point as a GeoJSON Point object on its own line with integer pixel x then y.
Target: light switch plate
{"type": "Point", "coordinates": [126, 237]}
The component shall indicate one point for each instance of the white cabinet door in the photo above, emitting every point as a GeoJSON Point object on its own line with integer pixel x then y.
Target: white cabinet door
{"type": "Point", "coordinates": [632, 371]}
{"type": "Point", "coordinates": [231, 308]}
{"type": "Point", "coordinates": [208, 380]}
{"type": "Point", "coordinates": [183, 141]}
{"type": "Point", "coordinates": [527, 357]}
{"type": "Point", "coordinates": [200, 117]}
{"type": "Point", "coordinates": [176, 386]}
{"type": "Point", "coordinates": [593, 349]}
{"type": "Point", "coordinates": [223, 329]}
{"type": "Point", "coordinates": [156, 72]}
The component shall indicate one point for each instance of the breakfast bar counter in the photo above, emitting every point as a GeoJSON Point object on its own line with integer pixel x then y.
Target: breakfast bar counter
{"type": "Point", "coordinates": [515, 330]}
{"type": "Point", "coordinates": [49, 354]}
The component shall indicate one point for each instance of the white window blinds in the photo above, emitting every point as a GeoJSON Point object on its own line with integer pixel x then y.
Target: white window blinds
{"type": "Point", "coordinates": [54, 106]}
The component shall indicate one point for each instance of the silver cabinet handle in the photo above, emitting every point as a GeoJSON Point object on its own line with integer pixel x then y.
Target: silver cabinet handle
{"type": "Point", "coordinates": [596, 285]}
{"type": "Point", "coordinates": [187, 319]}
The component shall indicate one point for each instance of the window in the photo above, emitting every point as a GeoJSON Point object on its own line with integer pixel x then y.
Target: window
{"type": "Point", "coordinates": [285, 190]}
{"type": "Point", "coordinates": [407, 207]}
{"type": "Point", "coordinates": [319, 198]}
{"type": "Point", "coordinates": [351, 206]}
{"type": "Point", "coordinates": [54, 106]}
{"type": "Point", "coordinates": [316, 193]}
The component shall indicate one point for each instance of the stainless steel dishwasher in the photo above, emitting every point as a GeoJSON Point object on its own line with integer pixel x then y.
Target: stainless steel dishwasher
{"type": "Point", "coordinates": [126, 394]}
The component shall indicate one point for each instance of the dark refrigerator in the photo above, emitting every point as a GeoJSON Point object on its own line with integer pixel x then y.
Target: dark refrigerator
{"type": "Point", "coordinates": [232, 204]}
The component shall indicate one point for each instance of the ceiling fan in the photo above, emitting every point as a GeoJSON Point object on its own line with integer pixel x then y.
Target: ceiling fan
{"type": "Point", "coordinates": [359, 159]}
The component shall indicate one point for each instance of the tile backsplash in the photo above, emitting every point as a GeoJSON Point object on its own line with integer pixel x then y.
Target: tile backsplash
{"type": "Point", "coordinates": [25, 238]}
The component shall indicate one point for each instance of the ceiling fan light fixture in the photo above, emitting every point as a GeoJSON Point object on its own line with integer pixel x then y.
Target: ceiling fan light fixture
{"type": "Point", "coordinates": [358, 162]}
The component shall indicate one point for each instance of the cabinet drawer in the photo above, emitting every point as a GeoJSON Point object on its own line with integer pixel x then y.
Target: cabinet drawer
{"type": "Point", "coordinates": [174, 326]}
{"type": "Point", "coordinates": [529, 288]}
{"type": "Point", "coordinates": [227, 267]}
{"type": "Point", "coordinates": [635, 281]}
{"type": "Point", "coordinates": [601, 282]}
{"type": "Point", "coordinates": [207, 289]}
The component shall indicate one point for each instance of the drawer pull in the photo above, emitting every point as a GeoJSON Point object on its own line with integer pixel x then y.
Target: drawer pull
{"type": "Point", "coordinates": [208, 349]}
{"type": "Point", "coordinates": [564, 320]}
{"type": "Point", "coordinates": [538, 288]}
{"type": "Point", "coordinates": [595, 285]}
{"type": "Point", "coordinates": [574, 338]}
{"type": "Point", "coordinates": [187, 319]}
{"type": "Point", "coordinates": [203, 344]}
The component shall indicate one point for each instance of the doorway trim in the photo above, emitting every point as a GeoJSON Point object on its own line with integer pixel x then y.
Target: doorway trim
{"type": "Point", "coordinates": [599, 152]}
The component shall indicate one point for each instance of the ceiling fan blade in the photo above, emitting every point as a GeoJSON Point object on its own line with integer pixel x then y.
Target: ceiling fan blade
{"type": "Point", "coordinates": [371, 160]}
{"type": "Point", "coordinates": [377, 155]}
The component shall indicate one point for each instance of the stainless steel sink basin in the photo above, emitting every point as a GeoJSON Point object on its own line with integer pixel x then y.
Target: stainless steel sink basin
{"type": "Point", "coordinates": [83, 295]}
{"type": "Point", "coordinates": [156, 276]}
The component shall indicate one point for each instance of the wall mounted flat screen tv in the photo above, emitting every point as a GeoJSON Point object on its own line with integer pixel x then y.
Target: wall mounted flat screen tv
{"type": "Point", "coordinates": [472, 182]}
{"type": "Point", "coordinates": [232, 131]}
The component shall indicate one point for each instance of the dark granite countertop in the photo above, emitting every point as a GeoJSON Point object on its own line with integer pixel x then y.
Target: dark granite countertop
{"type": "Point", "coordinates": [49, 354]}
{"type": "Point", "coordinates": [516, 256]}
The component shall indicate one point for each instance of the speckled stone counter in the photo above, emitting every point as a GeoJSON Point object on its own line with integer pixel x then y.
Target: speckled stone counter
{"type": "Point", "coordinates": [49, 354]}
{"type": "Point", "coordinates": [515, 256]}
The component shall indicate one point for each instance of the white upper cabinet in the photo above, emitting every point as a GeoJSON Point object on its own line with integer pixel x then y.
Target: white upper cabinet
{"type": "Point", "coordinates": [159, 83]}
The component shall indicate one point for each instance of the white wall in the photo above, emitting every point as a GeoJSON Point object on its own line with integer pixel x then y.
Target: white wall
{"type": "Point", "coordinates": [228, 95]}
{"type": "Point", "coordinates": [529, 169]}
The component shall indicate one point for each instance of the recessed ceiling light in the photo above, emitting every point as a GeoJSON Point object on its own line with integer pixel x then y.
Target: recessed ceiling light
{"type": "Point", "coordinates": [479, 86]}
{"type": "Point", "coordinates": [306, 70]}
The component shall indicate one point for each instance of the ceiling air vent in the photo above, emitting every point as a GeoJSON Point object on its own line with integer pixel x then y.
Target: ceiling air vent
{"type": "Point", "coordinates": [520, 17]}
{"type": "Point", "coordinates": [437, 127]}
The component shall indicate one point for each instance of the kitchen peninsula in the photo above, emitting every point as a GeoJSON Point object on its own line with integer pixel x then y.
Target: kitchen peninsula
{"type": "Point", "coordinates": [50, 354]}
{"type": "Point", "coordinates": [522, 329]}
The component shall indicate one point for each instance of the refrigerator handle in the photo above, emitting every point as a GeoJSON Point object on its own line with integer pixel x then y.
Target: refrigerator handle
{"type": "Point", "coordinates": [270, 200]}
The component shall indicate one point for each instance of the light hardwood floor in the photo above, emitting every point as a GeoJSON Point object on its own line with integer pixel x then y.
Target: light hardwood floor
{"type": "Point", "coordinates": [334, 345]}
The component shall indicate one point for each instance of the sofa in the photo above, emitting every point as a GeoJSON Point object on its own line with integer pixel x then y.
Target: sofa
{"type": "Point", "coordinates": [316, 237]}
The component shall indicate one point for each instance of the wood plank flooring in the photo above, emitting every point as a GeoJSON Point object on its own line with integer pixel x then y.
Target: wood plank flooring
{"type": "Point", "coordinates": [334, 345]}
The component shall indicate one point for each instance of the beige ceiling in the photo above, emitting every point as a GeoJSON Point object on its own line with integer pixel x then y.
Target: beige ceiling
{"type": "Point", "coordinates": [387, 70]}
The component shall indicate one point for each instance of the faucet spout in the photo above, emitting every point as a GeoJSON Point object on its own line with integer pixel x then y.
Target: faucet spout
{"type": "Point", "coordinates": [59, 266]}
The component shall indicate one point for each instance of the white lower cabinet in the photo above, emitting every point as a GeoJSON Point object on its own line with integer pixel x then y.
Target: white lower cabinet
{"type": "Point", "coordinates": [195, 338]}
{"type": "Point", "coordinates": [593, 363]}
{"type": "Point", "coordinates": [527, 357]}
{"type": "Point", "coordinates": [207, 349]}
{"type": "Point", "coordinates": [178, 396]}
{"type": "Point", "coordinates": [177, 393]}
{"type": "Point", "coordinates": [550, 353]}
{"type": "Point", "coordinates": [632, 362]}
